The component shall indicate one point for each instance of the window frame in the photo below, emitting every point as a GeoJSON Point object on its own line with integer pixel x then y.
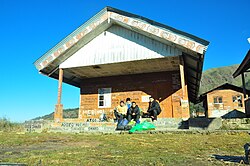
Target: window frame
{"type": "Point", "coordinates": [104, 96]}
{"type": "Point", "coordinates": [240, 104]}
{"type": "Point", "coordinates": [217, 99]}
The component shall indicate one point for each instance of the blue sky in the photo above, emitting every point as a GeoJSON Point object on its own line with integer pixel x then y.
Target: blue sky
{"type": "Point", "coordinates": [29, 28]}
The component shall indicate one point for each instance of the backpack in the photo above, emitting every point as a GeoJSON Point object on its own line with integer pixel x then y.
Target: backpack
{"type": "Point", "coordinates": [121, 125]}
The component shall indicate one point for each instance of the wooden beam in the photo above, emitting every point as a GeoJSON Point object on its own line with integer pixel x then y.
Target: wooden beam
{"type": "Point", "coordinates": [244, 84]}
{"type": "Point", "coordinates": [182, 79]}
{"type": "Point", "coordinates": [58, 115]}
{"type": "Point", "coordinates": [193, 57]}
{"type": "Point", "coordinates": [60, 80]}
{"type": "Point", "coordinates": [193, 69]}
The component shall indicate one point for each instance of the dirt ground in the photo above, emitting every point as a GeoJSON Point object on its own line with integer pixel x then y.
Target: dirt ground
{"type": "Point", "coordinates": [122, 149]}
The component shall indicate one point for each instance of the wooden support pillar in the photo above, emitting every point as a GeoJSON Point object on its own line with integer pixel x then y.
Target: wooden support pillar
{"type": "Point", "coordinates": [184, 99]}
{"type": "Point", "coordinates": [246, 101]}
{"type": "Point", "coordinates": [59, 96]}
{"type": "Point", "coordinates": [244, 85]}
{"type": "Point", "coordinates": [182, 80]}
{"type": "Point", "coordinates": [58, 115]}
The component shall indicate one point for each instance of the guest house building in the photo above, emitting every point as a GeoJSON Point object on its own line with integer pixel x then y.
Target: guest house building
{"type": "Point", "coordinates": [116, 55]}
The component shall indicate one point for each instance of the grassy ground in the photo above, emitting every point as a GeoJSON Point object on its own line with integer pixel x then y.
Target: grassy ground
{"type": "Point", "coordinates": [121, 149]}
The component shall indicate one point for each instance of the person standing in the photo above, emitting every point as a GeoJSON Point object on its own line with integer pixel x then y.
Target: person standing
{"type": "Point", "coordinates": [128, 102]}
{"type": "Point", "coordinates": [154, 108]}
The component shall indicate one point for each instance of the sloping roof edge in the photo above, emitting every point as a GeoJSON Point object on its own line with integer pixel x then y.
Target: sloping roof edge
{"type": "Point", "coordinates": [244, 66]}
{"type": "Point", "coordinates": [58, 47]}
{"type": "Point", "coordinates": [152, 22]}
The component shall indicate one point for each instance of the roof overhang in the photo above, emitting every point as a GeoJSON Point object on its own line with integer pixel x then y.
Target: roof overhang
{"type": "Point", "coordinates": [244, 66]}
{"type": "Point", "coordinates": [75, 75]}
{"type": "Point", "coordinates": [193, 65]}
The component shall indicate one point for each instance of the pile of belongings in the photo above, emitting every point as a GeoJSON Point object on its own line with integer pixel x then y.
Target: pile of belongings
{"type": "Point", "coordinates": [125, 124]}
{"type": "Point", "coordinates": [133, 126]}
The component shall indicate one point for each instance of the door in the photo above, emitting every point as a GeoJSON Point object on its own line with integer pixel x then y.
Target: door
{"type": "Point", "coordinates": [163, 95]}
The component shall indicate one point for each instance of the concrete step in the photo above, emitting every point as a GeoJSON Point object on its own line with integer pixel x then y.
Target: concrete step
{"type": "Point", "coordinates": [68, 126]}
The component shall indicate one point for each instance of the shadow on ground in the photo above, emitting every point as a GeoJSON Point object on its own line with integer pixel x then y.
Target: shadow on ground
{"type": "Point", "coordinates": [234, 159]}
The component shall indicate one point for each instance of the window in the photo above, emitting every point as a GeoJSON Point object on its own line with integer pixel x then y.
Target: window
{"type": "Point", "coordinates": [104, 97]}
{"type": "Point", "coordinates": [218, 100]}
{"type": "Point", "coordinates": [234, 98]}
{"type": "Point", "coordinates": [218, 103]}
{"type": "Point", "coordinates": [238, 99]}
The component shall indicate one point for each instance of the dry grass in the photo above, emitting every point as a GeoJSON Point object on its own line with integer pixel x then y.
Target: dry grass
{"type": "Point", "coordinates": [125, 149]}
{"type": "Point", "coordinates": [6, 125]}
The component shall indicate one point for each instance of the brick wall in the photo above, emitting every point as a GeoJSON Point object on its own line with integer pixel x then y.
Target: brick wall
{"type": "Point", "coordinates": [163, 86]}
{"type": "Point", "coordinates": [227, 105]}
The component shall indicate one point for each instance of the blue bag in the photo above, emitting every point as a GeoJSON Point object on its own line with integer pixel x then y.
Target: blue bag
{"type": "Point", "coordinates": [121, 125]}
{"type": "Point", "coordinates": [124, 122]}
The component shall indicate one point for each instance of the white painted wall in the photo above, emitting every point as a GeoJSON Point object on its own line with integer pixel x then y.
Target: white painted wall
{"type": "Point", "coordinates": [118, 44]}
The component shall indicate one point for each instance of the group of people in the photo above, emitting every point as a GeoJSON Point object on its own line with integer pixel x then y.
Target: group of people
{"type": "Point", "coordinates": [130, 110]}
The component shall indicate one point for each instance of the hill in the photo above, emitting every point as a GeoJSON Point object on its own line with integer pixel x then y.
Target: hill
{"type": "Point", "coordinates": [212, 78]}
{"type": "Point", "coordinates": [67, 113]}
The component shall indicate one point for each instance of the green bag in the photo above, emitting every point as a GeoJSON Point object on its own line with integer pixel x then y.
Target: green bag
{"type": "Point", "coordinates": [131, 123]}
{"type": "Point", "coordinates": [142, 126]}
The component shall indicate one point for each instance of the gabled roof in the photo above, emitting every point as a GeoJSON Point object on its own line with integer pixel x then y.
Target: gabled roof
{"type": "Point", "coordinates": [193, 48]}
{"type": "Point", "coordinates": [225, 87]}
{"type": "Point", "coordinates": [244, 66]}
{"type": "Point", "coordinates": [133, 21]}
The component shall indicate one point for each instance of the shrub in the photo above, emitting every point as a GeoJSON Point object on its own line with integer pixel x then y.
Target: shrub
{"type": "Point", "coordinates": [7, 125]}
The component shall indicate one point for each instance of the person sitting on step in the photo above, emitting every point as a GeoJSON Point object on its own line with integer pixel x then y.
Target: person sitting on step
{"type": "Point", "coordinates": [120, 111]}
{"type": "Point", "coordinates": [134, 112]}
{"type": "Point", "coordinates": [154, 108]}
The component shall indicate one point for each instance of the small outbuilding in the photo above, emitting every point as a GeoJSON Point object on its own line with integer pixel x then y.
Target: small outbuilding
{"type": "Point", "coordinates": [226, 101]}
{"type": "Point", "coordinates": [116, 55]}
